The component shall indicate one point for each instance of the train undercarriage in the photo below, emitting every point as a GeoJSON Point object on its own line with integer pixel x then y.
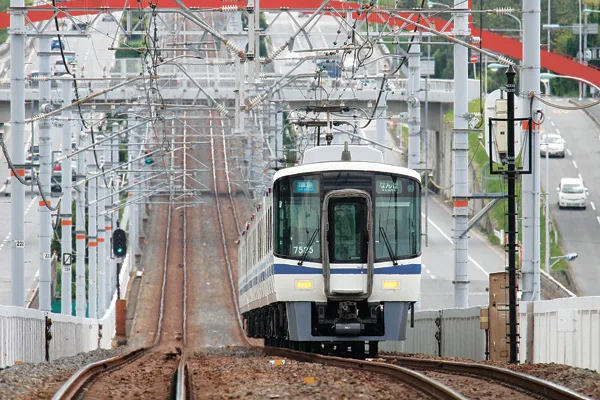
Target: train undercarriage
{"type": "Point", "coordinates": [341, 328]}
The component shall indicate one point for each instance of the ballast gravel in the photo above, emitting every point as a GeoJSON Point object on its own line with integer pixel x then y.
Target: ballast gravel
{"type": "Point", "coordinates": [41, 381]}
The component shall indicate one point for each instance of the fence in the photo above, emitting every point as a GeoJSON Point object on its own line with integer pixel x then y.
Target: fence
{"type": "Point", "coordinates": [23, 331]}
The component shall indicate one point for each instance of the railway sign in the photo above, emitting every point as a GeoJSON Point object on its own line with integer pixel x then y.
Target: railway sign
{"type": "Point", "coordinates": [474, 58]}
{"type": "Point", "coordinates": [67, 259]}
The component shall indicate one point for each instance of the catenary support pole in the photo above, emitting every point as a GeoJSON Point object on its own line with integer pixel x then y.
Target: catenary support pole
{"type": "Point", "coordinates": [66, 213]}
{"type": "Point", "coordinates": [530, 78]}
{"type": "Point", "coordinates": [108, 229]}
{"type": "Point", "coordinates": [115, 198]}
{"type": "Point", "coordinates": [511, 176]}
{"type": "Point", "coordinates": [460, 159]}
{"type": "Point", "coordinates": [92, 234]}
{"type": "Point", "coordinates": [102, 300]}
{"type": "Point", "coordinates": [80, 233]}
{"type": "Point", "coordinates": [45, 143]}
{"type": "Point", "coordinates": [17, 150]}
{"type": "Point", "coordinates": [133, 225]}
{"type": "Point", "coordinates": [414, 105]}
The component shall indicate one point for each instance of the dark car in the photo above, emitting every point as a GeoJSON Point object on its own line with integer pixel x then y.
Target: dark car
{"type": "Point", "coordinates": [55, 185]}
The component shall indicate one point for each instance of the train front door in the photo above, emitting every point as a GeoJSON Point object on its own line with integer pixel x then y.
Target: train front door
{"type": "Point", "coordinates": [348, 262]}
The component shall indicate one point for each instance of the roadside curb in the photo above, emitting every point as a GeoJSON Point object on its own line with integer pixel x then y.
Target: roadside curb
{"type": "Point", "coordinates": [587, 111]}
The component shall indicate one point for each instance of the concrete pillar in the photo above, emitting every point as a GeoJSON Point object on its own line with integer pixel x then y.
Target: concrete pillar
{"type": "Point", "coordinates": [45, 143]}
{"type": "Point", "coordinates": [80, 233]}
{"type": "Point", "coordinates": [461, 158]}
{"type": "Point", "coordinates": [414, 106]}
{"type": "Point", "coordinates": [92, 234]}
{"type": "Point", "coordinates": [66, 216]}
{"type": "Point", "coordinates": [530, 82]}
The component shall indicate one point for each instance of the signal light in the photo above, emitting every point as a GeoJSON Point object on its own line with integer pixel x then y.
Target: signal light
{"type": "Point", "coordinates": [119, 242]}
{"type": "Point", "coordinates": [149, 159]}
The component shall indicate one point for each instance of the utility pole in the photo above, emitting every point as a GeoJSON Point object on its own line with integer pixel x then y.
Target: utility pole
{"type": "Point", "coordinates": [530, 78]}
{"type": "Point", "coordinates": [512, 216]}
{"type": "Point", "coordinates": [80, 231]}
{"type": "Point", "coordinates": [133, 223]}
{"type": "Point", "coordinates": [66, 216]}
{"type": "Point", "coordinates": [93, 232]}
{"type": "Point", "coordinates": [414, 104]}
{"type": "Point", "coordinates": [17, 150]}
{"type": "Point", "coordinates": [45, 175]}
{"type": "Point", "coordinates": [461, 158]}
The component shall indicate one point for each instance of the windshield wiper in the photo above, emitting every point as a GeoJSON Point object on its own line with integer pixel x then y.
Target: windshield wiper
{"type": "Point", "coordinates": [388, 245]}
{"type": "Point", "coordinates": [310, 242]}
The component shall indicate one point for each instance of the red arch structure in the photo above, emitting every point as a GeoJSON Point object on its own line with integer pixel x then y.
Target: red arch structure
{"type": "Point", "coordinates": [560, 64]}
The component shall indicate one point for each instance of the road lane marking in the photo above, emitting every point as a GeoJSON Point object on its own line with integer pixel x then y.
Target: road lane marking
{"type": "Point", "coordinates": [569, 152]}
{"type": "Point", "coordinates": [432, 276]}
{"type": "Point", "coordinates": [552, 122]}
{"type": "Point", "coordinates": [580, 177]}
{"type": "Point", "coordinates": [593, 206]}
{"type": "Point", "coordinates": [450, 240]}
{"type": "Point", "coordinates": [598, 218]}
{"type": "Point", "coordinates": [557, 132]}
{"type": "Point", "coordinates": [574, 164]}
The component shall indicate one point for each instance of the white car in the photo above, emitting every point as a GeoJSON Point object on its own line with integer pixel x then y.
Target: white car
{"type": "Point", "coordinates": [552, 144]}
{"type": "Point", "coordinates": [571, 193]}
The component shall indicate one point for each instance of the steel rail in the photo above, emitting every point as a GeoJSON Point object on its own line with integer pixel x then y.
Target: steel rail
{"type": "Point", "coordinates": [423, 383]}
{"type": "Point", "coordinates": [223, 238]}
{"type": "Point", "coordinates": [530, 384]}
{"type": "Point", "coordinates": [76, 383]}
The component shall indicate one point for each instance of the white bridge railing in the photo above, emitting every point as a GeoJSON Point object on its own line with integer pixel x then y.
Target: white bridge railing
{"type": "Point", "coordinates": [24, 332]}
{"type": "Point", "coordinates": [562, 331]}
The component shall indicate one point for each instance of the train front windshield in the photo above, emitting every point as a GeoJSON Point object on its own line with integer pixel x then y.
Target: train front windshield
{"type": "Point", "coordinates": [396, 219]}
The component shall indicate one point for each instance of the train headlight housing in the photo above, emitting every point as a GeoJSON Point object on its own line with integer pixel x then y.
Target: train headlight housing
{"type": "Point", "coordinates": [391, 285]}
{"type": "Point", "coordinates": [304, 285]}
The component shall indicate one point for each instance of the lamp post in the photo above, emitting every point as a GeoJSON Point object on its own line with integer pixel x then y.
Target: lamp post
{"type": "Point", "coordinates": [580, 50]}
{"type": "Point", "coordinates": [568, 257]}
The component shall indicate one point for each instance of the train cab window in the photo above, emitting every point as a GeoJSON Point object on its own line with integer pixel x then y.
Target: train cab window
{"type": "Point", "coordinates": [397, 229]}
{"type": "Point", "coordinates": [346, 230]}
{"type": "Point", "coordinates": [297, 216]}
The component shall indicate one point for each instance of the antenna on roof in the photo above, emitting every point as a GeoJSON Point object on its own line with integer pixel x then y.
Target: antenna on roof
{"type": "Point", "coordinates": [346, 156]}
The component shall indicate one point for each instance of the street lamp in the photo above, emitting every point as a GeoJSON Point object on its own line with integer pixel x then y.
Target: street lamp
{"type": "Point", "coordinates": [568, 257]}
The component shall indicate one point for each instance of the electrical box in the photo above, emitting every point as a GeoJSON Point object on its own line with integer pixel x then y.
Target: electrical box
{"type": "Point", "coordinates": [498, 317]}
{"type": "Point", "coordinates": [501, 128]}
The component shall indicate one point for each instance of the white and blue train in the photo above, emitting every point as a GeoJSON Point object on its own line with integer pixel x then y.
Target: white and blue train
{"type": "Point", "coordinates": [331, 261]}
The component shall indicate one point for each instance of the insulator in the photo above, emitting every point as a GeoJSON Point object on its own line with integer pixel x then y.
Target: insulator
{"type": "Point", "coordinates": [503, 10]}
{"type": "Point", "coordinates": [230, 8]}
{"type": "Point", "coordinates": [276, 54]}
{"type": "Point", "coordinates": [221, 108]}
{"type": "Point", "coordinates": [505, 60]}
{"type": "Point", "coordinates": [232, 46]}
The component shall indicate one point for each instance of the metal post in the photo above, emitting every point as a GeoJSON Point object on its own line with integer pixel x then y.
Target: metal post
{"type": "Point", "coordinates": [17, 150]}
{"type": "Point", "coordinates": [547, 257]}
{"type": "Point", "coordinates": [530, 78]}
{"type": "Point", "coordinates": [66, 215]}
{"type": "Point", "coordinates": [133, 232]}
{"type": "Point", "coordinates": [80, 233]}
{"type": "Point", "coordinates": [381, 122]}
{"type": "Point", "coordinates": [414, 105]}
{"type": "Point", "coordinates": [115, 198]}
{"type": "Point", "coordinates": [512, 217]}
{"type": "Point", "coordinates": [580, 50]}
{"type": "Point", "coordinates": [549, 40]}
{"type": "Point", "coordinates": [102, 270]}
{"type": "Point", "coordinates": [92, 235]}
{"type": "Point", "coordinates": [109, 260]}
{"type": "Point", "coordinates": [585, 15]}
{"type": "Point", "coordinates": [426, 227]}
{"type": "Point", "coordinates": [460, 158]}
{"type": "Point", "coordinates": [252, 50]}
{"type": "Point", "coordinates": [45, 143]}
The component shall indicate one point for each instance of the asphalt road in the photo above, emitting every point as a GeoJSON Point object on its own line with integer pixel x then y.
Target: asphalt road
{"type": "Point", "coordinates": [579, 229]}
{"type": "Point", "coordinates": [92, 53]}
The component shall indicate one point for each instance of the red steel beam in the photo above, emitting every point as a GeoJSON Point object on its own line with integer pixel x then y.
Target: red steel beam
{"type": "Point", "coordinates": [563, 65]}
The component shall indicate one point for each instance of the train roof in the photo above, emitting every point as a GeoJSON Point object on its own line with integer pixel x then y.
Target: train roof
{"type": "Point", "coordinates": [346, 166]}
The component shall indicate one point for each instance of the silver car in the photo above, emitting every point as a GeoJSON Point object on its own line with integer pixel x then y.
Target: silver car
{"type": "Point", "coordinates": [571, 193]}
{"type": "Point", "coordinates": [553, 145]}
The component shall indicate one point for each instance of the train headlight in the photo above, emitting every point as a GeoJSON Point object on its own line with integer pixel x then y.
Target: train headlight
{"type": "Point", "coordinates": [304, 285]}
{"type": "Point", "coordinates": [391, 285]}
